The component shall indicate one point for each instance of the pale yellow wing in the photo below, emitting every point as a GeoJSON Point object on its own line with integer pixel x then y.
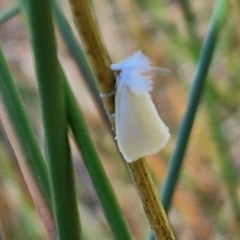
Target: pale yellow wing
{"type": "Point", "coordinates": [139, 129]}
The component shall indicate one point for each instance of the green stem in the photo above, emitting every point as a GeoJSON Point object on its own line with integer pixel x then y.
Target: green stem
{"type": "Point", "coordinates": [227, 169]}
{"type": "Point", "coordinates": [63, 194]}
{"type": "Point", "coordinates": [83, 140]}
{"type": "Point", "coordinates": [79, 57]}
{"type": "Point", "coordinates": [74, 48]}
{"type": "Point", "coordinates": [205, 59]}
{"type": "Point", "coordinates": [22, 127]}
{"type": "Point", "coordinates": [93, 164]}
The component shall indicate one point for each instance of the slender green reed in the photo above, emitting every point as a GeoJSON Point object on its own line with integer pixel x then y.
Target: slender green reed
{"type": "Point", "coordinates": [23, 129]}
{"type": "Point", "coordinates": [218, 15]}
{"type": "Point", "coordinates": [206, 54]}
{"type": "Point", "coordinates": [92, 162]}
{"type": "Point", "coordinates": [79, 57]}
{"type": "Point", "coordinates": [227, 170]}
{"type": "Point", "coordinates": [62, 181]}
{"type": "Point", "coordinates": [81, 134]}
{"type": "Point", "coordinates": [95, 169]}
{"type": "Point", "coordinates": [74, 48]}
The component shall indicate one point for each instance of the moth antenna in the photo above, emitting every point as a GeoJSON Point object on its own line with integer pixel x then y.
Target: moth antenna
{"type": "Point", "coordinates": [160, 70]}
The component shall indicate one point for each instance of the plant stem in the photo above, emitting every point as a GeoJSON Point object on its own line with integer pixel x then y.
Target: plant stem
{"type": "Point", "coordinates": [227, 169]}
{"type": "Point", "coordinates": [82, 136]}
{"type": "Point", "coordinates": [205, 59]}
{"type": "Point", "coordinates": [149, 197]}
{"type": "Point", "coordinates": [93, 164]}
{"type": "Point", "coordinates": [99, 59]}
{"type": "Point", "coordinates": [63, 193]}
{"type": "Point", "coordinates": [23, 129]}
{"type": "Point", "coordinates": [80, 59]}
{"type": "Point", "coordinates": [95, 49]}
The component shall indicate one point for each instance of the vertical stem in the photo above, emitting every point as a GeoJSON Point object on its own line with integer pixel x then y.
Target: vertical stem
{"type": "Point", "coordinates": [205, 59]}
{"type": "Point", "coordinates": [95, 169]}
{"type": "Point", "coordinates": [80, 58]}
{"type": "Point", "coordinates": [227, 168]}
{"type": "Point", "coordinates": [63, 194]}
{"type": "Point", "coordinates": [23, 129]}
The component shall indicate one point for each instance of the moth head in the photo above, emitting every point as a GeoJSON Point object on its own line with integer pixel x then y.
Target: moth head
{"type": "Point", "coordinates": [138, 61]}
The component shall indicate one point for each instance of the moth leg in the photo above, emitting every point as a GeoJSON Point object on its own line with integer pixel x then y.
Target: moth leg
{"type": "Point", "coordinates": [105, 95]}
{"type": "Point", "coordinates": [111, 115]}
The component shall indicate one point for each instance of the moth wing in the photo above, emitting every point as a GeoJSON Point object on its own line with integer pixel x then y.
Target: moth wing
{"type": "Point", "coordinates": [139, 129]}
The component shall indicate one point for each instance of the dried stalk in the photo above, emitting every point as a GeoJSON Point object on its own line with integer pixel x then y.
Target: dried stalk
{"type": "Point", "coordinates": [99, 59]}
{"type": "Point", "coordinates": [95, 49]}
{"type": "Point", "coordinates": [149, 197]}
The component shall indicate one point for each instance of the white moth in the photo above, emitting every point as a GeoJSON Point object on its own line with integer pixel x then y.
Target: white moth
{"type": "Point", "coordinates": [139, 129]}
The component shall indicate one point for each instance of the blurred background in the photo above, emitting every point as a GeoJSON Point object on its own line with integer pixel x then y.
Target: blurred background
{"type": "Point", "coordinates": [202, 206]}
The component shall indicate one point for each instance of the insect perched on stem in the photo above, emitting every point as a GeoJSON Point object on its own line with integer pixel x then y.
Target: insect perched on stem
{"type": "Point", "coordinates": [139, 129]}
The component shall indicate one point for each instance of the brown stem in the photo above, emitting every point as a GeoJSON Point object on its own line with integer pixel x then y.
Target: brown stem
{"type": "Point", "coordinates": [151, 204]}
{"type": "Point", "coordinates": [101, 65]}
